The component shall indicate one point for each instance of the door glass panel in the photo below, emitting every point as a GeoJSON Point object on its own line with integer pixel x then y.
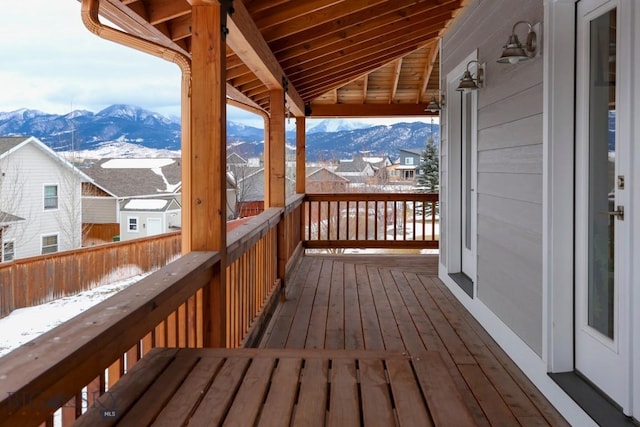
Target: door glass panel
{"type": "Point", "coordinates": [602, 147]}
{"type": "Point", "coordinates": [466, 156]}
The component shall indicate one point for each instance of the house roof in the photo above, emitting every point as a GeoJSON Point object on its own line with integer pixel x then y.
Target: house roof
{"type": "Point", "coordinates": [380, 55]}
{"type": "Point", "coordinates": [8, 143]}
{"type": "Point", "coordinates": [235, 159]}
{"type": "Point", "coordinates": [325, 175]}
{"type": "Point", "coordinates": [412, 151]}
{"type": "Point", "coordinates": [159, 204]}
{"type": "Point", "coordinates": [137, 177]}
{"type": "Point", "coordinates": [357, 164]}
{"type": "Point", "coordinates": [7, 218]}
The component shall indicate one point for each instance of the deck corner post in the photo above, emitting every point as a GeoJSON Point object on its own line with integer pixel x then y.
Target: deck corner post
{"type": "Point", "coordinates": [205, 167]}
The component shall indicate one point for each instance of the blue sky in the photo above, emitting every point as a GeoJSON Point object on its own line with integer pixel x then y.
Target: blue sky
{"type": "Point", "coordinates": [50, 62]}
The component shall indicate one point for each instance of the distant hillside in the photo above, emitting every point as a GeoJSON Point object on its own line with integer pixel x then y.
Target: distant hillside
{"type": "Point", "coordinates": [129, 126]}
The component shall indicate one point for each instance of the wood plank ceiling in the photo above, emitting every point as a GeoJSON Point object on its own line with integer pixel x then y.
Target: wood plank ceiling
{"type": "Point", "coordinates": [379, 55]}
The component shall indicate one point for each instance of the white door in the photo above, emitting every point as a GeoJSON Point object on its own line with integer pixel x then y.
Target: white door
{"type": "Point", "coordinates": [603, 152]}
{"type": "Point", "coordinates": [154, 226]}
{"type": "Point", "coordinates": [469, 177]}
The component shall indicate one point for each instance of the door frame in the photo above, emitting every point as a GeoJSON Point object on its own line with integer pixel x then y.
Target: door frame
{"type": "Point", "coordinates": [558, 192]}
{"type": "Point", "coordinates": [593, 350]}
{"type": "Point", "coordinates": [454, 183]}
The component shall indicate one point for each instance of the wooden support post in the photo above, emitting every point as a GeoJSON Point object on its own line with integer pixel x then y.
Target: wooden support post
{"type": "Point", "coordinates": [301, 155]}
{"type": "Point", "coordinates": [274, 153]}
{"type": "Point", "coordinates": [301, 165]}
{"type": "Point", "coordinates": [275, 173]}
{"type": "Point", "coordinates": [205, 166]}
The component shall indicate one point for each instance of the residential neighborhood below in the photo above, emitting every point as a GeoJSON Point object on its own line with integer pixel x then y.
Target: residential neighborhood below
{"type": "Point", "coordinates": [54, 201]}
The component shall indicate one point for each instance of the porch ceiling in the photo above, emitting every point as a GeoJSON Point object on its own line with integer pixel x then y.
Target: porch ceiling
{"type": "Point", "coordinates": [340, 57]}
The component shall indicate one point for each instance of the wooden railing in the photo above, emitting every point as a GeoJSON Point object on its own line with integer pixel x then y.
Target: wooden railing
{"type": "Point", "coordinates": [69, 366]}
{"type": "Point", "coordinates": [384, 220]}
{"type": "Point", "coordinates": [31, 281]}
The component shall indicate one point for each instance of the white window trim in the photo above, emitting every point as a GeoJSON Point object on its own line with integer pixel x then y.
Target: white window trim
{"type": "Point", "coordinates": [44, 207]}
{"type": "Point", "coordinates": [42, 236]}
{"type": "Point", "coordinates": [408, 161]}
{"type": "Point", "coordinates": [129, 218]}
{"type": "Point", "coordinates": [2, 249]}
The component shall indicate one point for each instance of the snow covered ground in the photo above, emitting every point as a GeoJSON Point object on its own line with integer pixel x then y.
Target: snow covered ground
{"type": "Point", "coordinates": [25, 324]}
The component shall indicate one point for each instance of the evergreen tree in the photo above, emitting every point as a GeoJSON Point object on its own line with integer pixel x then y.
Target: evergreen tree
{"type": "Point", "coordinates": [428, 179]}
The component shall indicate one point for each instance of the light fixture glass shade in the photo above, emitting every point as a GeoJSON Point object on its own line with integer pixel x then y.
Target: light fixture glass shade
{"type": "Point", "coordinates": [513, 51]}
{"type": "Point", "coordinates": [433, 105]}
{"type": "Point", "coordinates": [467, 82]}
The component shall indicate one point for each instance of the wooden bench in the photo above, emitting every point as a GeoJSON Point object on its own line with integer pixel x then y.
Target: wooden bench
{"type": "Point", "coordinates": [238, 387]}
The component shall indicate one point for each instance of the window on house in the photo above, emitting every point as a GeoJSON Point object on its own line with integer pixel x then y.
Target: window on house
{"type": "Point", "coordinates": [51, 197]}
{"type": "Point", "coordinates": [49, 244]}
{"type": "Point", "coordinates": [133, 224]}
{"type": "Point", "coordinates": [408, 160]}
{"type": "Point", "coordinates": [8, 250]}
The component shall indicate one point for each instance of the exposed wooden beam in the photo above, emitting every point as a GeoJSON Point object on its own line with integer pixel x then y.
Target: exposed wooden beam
{"type": "Point", "coordinates": [368, 110]}
{"type": "Point", "coordinates": [240, 97]}
{"type": "Point", "coordinates": [133, 23]}
{"type": "Point", "coordinates": [180, 28]}
{"type": "Point", "coordinates": [364, 44]}
{"type": "Point", "coordinates": [341, 74]}
{"type": "Point", "coordinates": [245, 40]}
{"type": "Point", "coordinates": [377, 16]}
{"type": "Point", "coordinates": [426, 76]}
{"type": "Point", "coordinates": [165, 10]}
{"type": "Point", "coordinates": [320, 18]}
{"type": "Point", "coordinates": [365, 88]}
{"type": "Point", "coordinates": [295, 10]}
{"type": "Point", "coordinates": [396, 77]}
{"type": "Point", "coordinates": [255, 6]}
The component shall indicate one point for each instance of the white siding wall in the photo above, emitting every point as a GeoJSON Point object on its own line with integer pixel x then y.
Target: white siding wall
{"type": "Point", "coordinates": [27, 171]}
{"type": "Point", "coordinates": [143, 217]}
{"type": "Point", "coordinates": [509, 222]}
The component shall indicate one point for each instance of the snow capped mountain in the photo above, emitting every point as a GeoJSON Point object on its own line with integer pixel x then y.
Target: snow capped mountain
{"type": "Point", "coordinates": [20, 115]}
{"type": "Point", "coordinates": [120, 150]}
{"type": "Point", "coordinates": [335, 125]}
{"type": "Point", "coordinates": [130, 131]}
{"type": "Point", "coordinates": [133, 113]}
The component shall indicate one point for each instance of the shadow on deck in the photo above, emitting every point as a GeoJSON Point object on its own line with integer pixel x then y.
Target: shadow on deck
{"type": "Point", "coordinates": [397, 303]}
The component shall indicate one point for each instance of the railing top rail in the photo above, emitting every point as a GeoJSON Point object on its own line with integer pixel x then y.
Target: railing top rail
{"type": "Point", "coordinates": [250, 232]}
{"type": "Point", "coordinates": [372, 197]}
{"type": "Point", "coordinates": [293, 202]}
{"type": "Point", "coordinates": [92, 340]}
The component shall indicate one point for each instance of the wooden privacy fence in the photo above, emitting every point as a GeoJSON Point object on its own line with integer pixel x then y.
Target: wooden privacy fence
{"type": "Point", "coordinates": [368, 220]}
{"type": "Point", "coordinates": [84, 357]}
{"type": "Point", "coordinates": [31, 281]}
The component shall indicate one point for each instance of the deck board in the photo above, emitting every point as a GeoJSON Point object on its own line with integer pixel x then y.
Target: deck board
{"type": "Point", "coordinates": [397, 303]}
{"type": "Point", "coordinates": [359, 341]}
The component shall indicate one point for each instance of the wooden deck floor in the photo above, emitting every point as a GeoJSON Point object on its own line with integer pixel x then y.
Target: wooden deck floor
{"type": "Point", "coordinates": [397, 303]}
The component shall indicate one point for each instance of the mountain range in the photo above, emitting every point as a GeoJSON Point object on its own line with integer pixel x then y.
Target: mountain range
{"type": "Point", "coordinates": [123, 128]}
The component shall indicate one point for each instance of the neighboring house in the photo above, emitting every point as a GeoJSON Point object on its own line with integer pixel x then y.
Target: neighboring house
{"type": "Point", "coordinates": [407, 165]}
{"type": "Point", "coordinates": [7, 247]}
{"type": "Point", "coordinates": [356, 170]}
{"type": "Point", "coordinates": [249, 188]}
{"type": "Point", "coordinates": [40, 199]}
{"type": "Point", "coordinates": [116, 180]}
{"type": "Point", "coordinates": [142, 217]}
{"type": "Point", "coordinates": [540, 233]}
{"type": "Point", "coordinates": [322, 180]}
